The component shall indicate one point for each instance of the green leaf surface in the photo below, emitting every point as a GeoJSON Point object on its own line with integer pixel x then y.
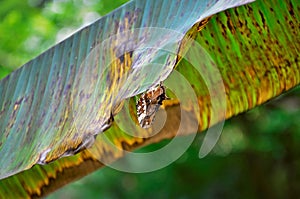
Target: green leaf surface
{"type": "Point", "coordinates": [255, 48]}
{"type": "Point", "coordinates": [55, 104]}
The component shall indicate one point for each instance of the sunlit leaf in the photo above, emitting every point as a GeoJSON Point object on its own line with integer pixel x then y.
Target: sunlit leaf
{"type": "Point", "coordinates": [55, 104]}
{"type": "Point", "coordinates": [255, 54]}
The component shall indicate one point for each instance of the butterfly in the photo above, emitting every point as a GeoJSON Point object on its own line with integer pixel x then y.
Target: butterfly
{"type": "Point", "coordinates": [149, 103]}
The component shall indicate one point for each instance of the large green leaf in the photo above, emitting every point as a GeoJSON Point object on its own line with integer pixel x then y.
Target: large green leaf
{"type": "Point", "coordinates": [257, 56]}
{"type": "Point", "coordinates": [54, 105]}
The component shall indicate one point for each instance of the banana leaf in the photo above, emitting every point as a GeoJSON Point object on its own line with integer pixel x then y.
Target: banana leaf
{"type": "Point", "coordinates": [242, 47]}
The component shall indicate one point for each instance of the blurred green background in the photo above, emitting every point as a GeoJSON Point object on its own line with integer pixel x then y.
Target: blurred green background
{"type": "Point", "coordinates": [257, 156]}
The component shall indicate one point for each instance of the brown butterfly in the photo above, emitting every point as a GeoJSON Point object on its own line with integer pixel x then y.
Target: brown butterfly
{"type": "Point", "coordinates": [149, 103]}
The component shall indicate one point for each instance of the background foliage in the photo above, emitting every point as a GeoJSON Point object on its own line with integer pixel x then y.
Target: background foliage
{"type": "Point", "coordinates": [257, 155]}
